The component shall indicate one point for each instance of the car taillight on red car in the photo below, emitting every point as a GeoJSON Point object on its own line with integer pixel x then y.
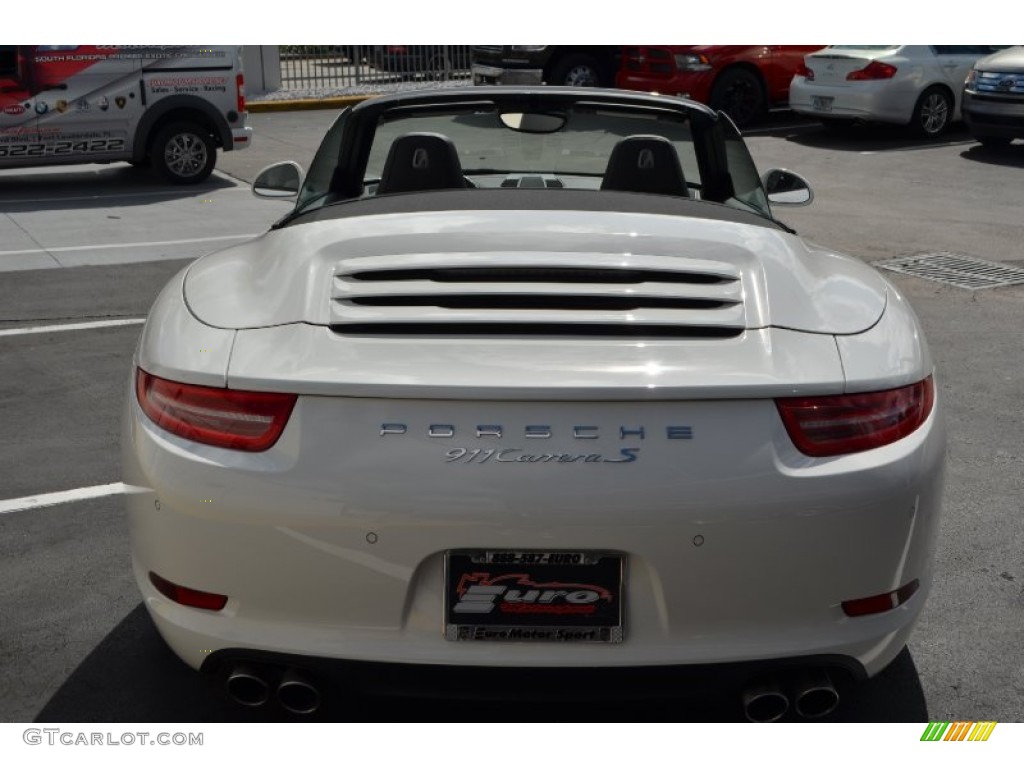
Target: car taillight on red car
{"type": "Point", "coordinates": [876, 70]}
{"type": "Point", "coordinates": [805, 72]}
{"type": "Point", "coordinates": [834, 425]}
{"type": "Point", "coordinates": [227, 418]}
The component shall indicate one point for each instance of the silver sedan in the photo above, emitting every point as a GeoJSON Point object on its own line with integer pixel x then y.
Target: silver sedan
{"type": "Point", "coordinates": [918, 86]}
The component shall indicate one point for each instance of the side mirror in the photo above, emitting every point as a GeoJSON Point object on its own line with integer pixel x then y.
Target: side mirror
{"type": "Point", "coordinates": [280, 181]}
{"type": "Point", "coordinates": [786, 188]}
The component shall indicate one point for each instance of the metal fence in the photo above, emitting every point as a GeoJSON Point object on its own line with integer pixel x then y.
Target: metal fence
{"type": "Point", "coordinates": [349, 66]}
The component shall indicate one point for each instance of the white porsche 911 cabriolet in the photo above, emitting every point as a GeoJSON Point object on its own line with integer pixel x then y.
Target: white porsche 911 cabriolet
{"type": "Point", "coordinates": [533, 379]}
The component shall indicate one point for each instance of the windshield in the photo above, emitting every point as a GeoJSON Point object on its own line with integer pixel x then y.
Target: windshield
{"type": "Point", "coordinates": [489, 151]}
{"type": "Point", "coordinates": [665, 148]}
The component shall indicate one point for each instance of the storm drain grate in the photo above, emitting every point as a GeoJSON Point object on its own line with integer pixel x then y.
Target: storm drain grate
{"type": "Point", "coordinates": [956, 269]}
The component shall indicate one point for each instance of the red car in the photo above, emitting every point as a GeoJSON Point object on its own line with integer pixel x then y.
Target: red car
{"type": "Point", "coordinates": [741, 80]}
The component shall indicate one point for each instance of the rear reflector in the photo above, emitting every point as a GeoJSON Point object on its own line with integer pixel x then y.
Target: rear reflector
{"type": "Point", "coordinates": [831, 426]}
{"type": "Point", "coordinates": [185, 596]}
{"type": "Point", "coordinates": [880, 603]}
{"type": "Point", "coordinates": [227, 418]}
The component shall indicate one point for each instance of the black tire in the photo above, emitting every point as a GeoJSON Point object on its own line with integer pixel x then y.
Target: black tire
{"type": "Point", "coordinates": [992, 141]}
{"type": "Point", "coordinates": [740, 94]}
{"type": "Point", "coordinates": [577, 69]}
{"type": "Point", "coordinates": [933, 112]}
{"type": "Point", "coordinates": [183, 153]}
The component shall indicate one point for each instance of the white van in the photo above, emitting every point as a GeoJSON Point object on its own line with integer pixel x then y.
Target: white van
{"type": "Point", "coordinates": [170, 106]}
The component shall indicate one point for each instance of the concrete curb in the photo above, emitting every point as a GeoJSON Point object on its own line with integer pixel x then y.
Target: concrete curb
{"type": "Point", "coordinates": [295, 105]}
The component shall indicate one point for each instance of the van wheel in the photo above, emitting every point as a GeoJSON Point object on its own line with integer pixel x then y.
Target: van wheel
{"type": "Point", "coordinates": [183, 153]}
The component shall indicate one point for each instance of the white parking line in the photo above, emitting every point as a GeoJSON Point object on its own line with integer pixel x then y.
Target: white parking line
{"type": "Point", "coordinates": [93, 198]}
{"type": "Point", "coordinates": [61, 497]}
{"type": "Point", "coordinates": [72, 326]}
{"type": "Point", "coordinates": [152, 243]}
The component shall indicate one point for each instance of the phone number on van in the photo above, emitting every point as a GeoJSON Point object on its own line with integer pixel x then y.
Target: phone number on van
{"type": "Point", "coordinates": [93, 146]}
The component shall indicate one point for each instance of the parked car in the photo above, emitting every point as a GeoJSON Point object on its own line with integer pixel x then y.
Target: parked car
{"type": "Point", "coordinates": [575, 65]}
{"type": "Point", "coordinates": [741, 80]}
{"type": "Point", "coordinates": [533, 380]}
{"type": "Point", "coordinates": [918, 86]}
{"type": "Point", "coordinates": [993, 98]}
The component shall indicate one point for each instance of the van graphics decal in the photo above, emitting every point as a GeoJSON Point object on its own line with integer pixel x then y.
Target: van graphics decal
{"type": "Point", "coordinates": [189, 84]}
{"type": "Point", "coordinates": [59, 64]}
{"type": "Point", "coordinates": [61, 106]}
{"type": "Point", "coordinates": [51, 142]}
{"type": "Point", "coordinates": [14, 109]}
{"type": "Point", "coordinates": [120, 101]}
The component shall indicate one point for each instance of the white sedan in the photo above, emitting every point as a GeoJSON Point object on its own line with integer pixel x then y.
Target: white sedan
{"type": "Point", "coordinates": [918, 86]}
{"type": "Point", "coordinates": [533, 379]}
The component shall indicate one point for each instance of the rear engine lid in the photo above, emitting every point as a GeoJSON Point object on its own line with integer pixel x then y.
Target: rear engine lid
{"type": "Point", "coordinates": [529, 273]}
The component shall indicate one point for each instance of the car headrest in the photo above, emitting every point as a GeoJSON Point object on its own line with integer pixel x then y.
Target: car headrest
{"type": "Point", "coordinates": [421, 161]}
{"type": "Point", "coordinates": [645, 164]}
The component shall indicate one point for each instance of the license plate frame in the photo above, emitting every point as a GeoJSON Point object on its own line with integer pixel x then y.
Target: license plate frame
{"type": "Point", "coordinates": [822, 103]}
{"type": "Point", "coordinates": [573, 596]}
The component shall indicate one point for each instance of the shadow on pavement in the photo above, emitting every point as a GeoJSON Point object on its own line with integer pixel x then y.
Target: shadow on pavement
{"type": "Point", "coordinates": [83, 187]}
{"type": "Point", "coordinates": [873, 138]}
{"type": "Point", "coordinates": [132, 676]}
{"type": "Point", "coordinates": [1011, 156]}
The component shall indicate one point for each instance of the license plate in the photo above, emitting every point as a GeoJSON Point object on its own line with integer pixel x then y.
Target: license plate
{"type": "Point", "coordinates": [534, 596]}
{"type": "Point", "coordinates": [822, 103]}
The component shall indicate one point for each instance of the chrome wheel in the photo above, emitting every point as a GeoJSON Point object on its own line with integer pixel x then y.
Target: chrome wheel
{"type": "Point", "coordinates": [583, 76]}
{"type": "Point", "coordinates": [186, 155]}
{"type": "Point", "coordinates": [933, 113]}
{"type": "Point", "coordinates": [576, 70]}
{"type": "Point", "coordinates": [183, 152]}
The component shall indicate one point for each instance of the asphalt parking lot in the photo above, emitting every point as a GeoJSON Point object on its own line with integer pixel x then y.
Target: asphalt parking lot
{"type": "Point", "coordinates": [94, 245]}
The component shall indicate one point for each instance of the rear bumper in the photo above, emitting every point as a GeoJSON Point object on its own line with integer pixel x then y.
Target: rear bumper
{"type": "Point", "coordinates": [241, 138]}
{"type": "Point", "coordinates": [339, 553]}
{"type": "Point", "coordinates": [868, 101]}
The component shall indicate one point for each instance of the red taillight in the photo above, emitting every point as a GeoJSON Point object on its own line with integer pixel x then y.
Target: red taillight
{"type": "Point", "coordinates": [240, 90]}
{"type": "Point", "coordinates": [805, 72]}
{"type": "Point", "coordinates": [880, 603]}
{"type": "Point", "coordinates": [876, 70]}
{"type": "Point", "coordinates": [228, 418]}
{"type": "Point", "coordinates": [830, 426]}
{"type": "Point", "coordinates": [193, 598]}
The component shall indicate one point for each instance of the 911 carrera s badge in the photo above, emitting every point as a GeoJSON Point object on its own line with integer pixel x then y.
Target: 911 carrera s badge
{"type": "Point", "coordinates": [531, 596]}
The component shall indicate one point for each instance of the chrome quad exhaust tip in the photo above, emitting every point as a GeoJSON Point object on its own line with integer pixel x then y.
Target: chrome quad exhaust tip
{"type": "Point", "coordinates": [765, 701]}
{"type": "Point", "coordinates": [814, 695]}
{"type": "Point", "coordinates": [247, 686]}
{"type": "Point", "coordinates": [297, 695]}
